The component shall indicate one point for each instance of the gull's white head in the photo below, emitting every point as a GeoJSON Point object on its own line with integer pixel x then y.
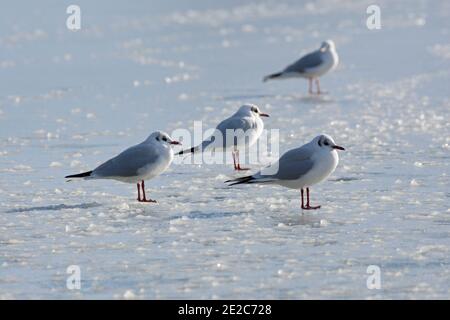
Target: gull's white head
{"type": "Point", "coordinates": [161, 138]}
{"type": "Point", "coordinates": [251, 110]}
{"type": "Point", "coordinates": [325, 142]}
{"type": "Point", "coordinates": [327, 45]}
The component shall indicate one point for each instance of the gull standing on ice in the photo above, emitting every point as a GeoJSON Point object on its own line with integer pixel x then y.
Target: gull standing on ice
{"type": "Point", "coordinates": [300, 168]}
{"type": "Point", "coordinates": [141, 162]}
{"type": "Point", "coordinates": [311, 66]}
{"type": "Point", "coordinates": [245, 124]}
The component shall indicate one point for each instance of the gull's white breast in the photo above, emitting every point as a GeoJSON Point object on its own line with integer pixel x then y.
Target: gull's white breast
{"type": "Point", "coordinates": [154, 169]}
{"type": "Point", "coordinates": [259, 127]}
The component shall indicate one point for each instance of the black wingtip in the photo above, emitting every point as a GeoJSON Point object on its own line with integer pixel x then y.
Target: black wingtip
{"type": "Point", "coordinates": [240, 180]}
{"type": "Point", "coordinates": [191, 150]}
{"type": "Point", "coordinates": [79, 175]}
{"type": "Point", "coordinates": [272, 76]}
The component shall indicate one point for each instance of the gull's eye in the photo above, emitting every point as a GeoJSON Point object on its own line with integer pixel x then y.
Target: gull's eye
{"type": "Point", "coordinates": [164, 139]}
{"type": "Point", "coordinates": [254, 110]}
{"type": "Point", "coordinates": [326, 143]}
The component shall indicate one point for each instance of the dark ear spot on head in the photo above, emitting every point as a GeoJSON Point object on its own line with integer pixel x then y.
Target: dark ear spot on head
{"type": "Point", "coordinates": [157, 138]}
{"type": "Point", "coordinates": [319, 142]}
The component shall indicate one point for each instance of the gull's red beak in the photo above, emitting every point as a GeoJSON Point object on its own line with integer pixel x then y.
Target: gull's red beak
{"type": "Point", "coordinates": [339, 148]}
{"type": "Point", "coordinates": [263, 115]}
{"type": "Point", "coordinates": [175, 142]}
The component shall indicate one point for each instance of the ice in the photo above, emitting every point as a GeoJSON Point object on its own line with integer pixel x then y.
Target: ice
{"type": "Point", "coordinates": [70, 100]}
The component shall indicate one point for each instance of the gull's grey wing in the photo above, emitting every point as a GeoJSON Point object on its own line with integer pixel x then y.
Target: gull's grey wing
{"type": "Point", "coordinates": [127, 163]}
{"type": "Point", "coordinates": [232, 123]}
{"type": "Point", "coordinates": [311, 60]}
{"type": "Point", "coordinates": [236, 123]}
{"type": "Point", "coordinates": [291, 166]}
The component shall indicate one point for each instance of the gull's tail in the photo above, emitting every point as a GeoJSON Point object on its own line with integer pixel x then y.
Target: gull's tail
{"type": "Point", "coordinates": [80, 175]}
{"type": "Point", "coordinates": [272, 76]}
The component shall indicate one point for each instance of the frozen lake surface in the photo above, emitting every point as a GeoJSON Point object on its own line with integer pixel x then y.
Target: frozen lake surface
{"type": "Point", "coordinates": [70, 100]}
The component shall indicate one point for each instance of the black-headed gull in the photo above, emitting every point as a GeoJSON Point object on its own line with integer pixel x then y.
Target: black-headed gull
{"type": "Point", "coordinates": [243, 127]}
{"type": "Point", "coordinates": [300, 168]}
{"type": "Point", "coordinates": [141, 162]}
{"type": "Point", "coordinates": [311, 66]}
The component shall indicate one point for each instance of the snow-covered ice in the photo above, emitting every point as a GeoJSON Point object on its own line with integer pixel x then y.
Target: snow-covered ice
{"type": "Point", "coordinates": [70, 100]}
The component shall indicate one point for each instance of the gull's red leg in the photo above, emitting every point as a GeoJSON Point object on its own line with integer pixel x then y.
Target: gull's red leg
{"type": "Point", "coordinates": [139, 192]}
{"type": "Point", "coordinates": [144, 199]}
{"type": "Point", "coordinates": [310, 91]}
{"type": "Point", "coordinates": [308, 207]}
{"type": "Point", "coordinates": [318, 86]}
{"type": "Point", "coordinates": [303, 205]}
{"type": "Point", "coordinates": [233, 153]}
{"type": "Point", "coordinates": [238, 164]}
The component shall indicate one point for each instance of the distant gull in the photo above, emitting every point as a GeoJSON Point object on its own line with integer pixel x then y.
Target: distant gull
{"type": "Point", "coordinates": [141, 162]}
{"type": "Point", "coordinates": [311, 66]}
{"type": "Point", "coordinates": [300, 168]}
{"type": "Point", "coordinates": [245, 124]}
